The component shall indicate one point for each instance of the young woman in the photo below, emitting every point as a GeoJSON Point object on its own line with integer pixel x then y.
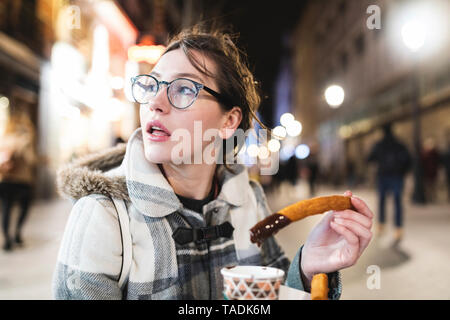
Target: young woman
{"type": "Point", "coordinates": [181, 211]}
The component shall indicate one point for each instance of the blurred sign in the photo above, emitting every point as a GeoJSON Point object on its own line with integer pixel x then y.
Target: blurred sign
{"type": "Point", "coordinates": [142, 53]}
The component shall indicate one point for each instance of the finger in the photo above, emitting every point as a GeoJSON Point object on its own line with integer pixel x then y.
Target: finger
{"type": "Point", "coordinates": [347, 234]}
{"type": "Point", "coordinates": [356, 216]}
{"type": "Point", "coordinates": [364, 235]}
{"type": "Point", "coordinates": [361, 207]}
{"type": "Point", "coordinates": [363, 243]}
{"type": "Point", "coordinates": [358, 229]}
{"type": "Point", "coordinates": [348, 193]}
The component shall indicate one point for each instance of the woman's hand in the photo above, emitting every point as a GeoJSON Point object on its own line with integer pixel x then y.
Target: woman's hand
{"type": "Point", "coordinates": [338, 240]}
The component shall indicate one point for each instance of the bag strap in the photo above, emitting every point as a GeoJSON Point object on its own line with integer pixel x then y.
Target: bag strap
{"type": "Point", "coordinates": [127, 253]}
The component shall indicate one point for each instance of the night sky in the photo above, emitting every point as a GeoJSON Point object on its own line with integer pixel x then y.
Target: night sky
{"type": "Point", "coordinates": [261, 24]}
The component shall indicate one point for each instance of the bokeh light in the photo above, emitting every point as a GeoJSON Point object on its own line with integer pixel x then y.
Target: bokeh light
{"type": "Point", "coordinates": [294, 128]}
{"type": "Point", "coordinates": [273, 145]}
{"type": "Point", "coordinates": [279, 132]}
{"type": "Point", "coordinates": [286, 119]}
{"type": "Point", "coordinates": [302, 151]}
{"type": "Point", "coordinates": [263, 152]}
{"type": "Point", "coordinates": [252, 150]}
{"type": "Point", "coordinates": [334, 95]}
{"type": "Point", "coordinates": [287, 152]}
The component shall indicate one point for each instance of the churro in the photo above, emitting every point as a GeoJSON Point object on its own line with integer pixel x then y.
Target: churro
{"type": "Point", "coordinates": [297, 211]}
{"type": "Point", "coordinates": [319, 287]}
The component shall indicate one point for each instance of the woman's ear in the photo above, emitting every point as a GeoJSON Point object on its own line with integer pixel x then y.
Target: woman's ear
{"type": "Point", "coordinates": [232, 120]}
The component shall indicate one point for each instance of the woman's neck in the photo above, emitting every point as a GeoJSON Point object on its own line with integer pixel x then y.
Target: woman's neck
{"type": "Point", "coordinates": [191, 181]}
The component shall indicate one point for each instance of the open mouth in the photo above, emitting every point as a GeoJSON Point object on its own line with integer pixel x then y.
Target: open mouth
{"type": "Point", "coordinates": [156, 131]}
{"type": "Point", "coordinates": [155, 128]}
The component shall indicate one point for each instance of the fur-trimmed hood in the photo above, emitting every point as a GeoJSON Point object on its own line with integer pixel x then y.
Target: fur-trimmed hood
{"type": "Point", "coordinates": [123, 172]}
{"type": "Point", "coordinates": [95, 173]}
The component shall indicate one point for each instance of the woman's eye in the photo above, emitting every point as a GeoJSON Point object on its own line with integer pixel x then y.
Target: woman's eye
{"type": "Point", "coordinates": [147, 87]}
{"type": "Point", "coordinates": [151, 87]}
{"type": "Point", "coordinates": [186, 90]}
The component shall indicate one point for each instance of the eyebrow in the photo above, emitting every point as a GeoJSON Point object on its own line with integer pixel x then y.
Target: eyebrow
{"type": "Point", "coordinates": [181, 75]}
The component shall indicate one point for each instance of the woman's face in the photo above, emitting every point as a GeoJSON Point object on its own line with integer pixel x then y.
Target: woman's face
{"type": "Point", "coordinates": [182, 141]}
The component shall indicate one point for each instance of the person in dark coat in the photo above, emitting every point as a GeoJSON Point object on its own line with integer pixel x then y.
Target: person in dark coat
{"type": "Point", "coordinates": [445, 160]}
{"type": "Point", "coordinates": [431, 162]}
{"type": "Point", "coordinates": [393, 161]}
{"type": "Point", "coordinates": [313, 171]}
{"type": "Point", "coordinates": [291, 170]}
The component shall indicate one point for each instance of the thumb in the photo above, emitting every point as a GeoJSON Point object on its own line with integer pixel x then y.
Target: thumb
{"type": "Point", "coordinates": [320, 230]}
{"type": "Point", "coordinates": [325, 221]}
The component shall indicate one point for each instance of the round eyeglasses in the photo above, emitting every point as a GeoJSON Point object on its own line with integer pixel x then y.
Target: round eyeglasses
{"type": "Point", "coordinates": [181, 92]}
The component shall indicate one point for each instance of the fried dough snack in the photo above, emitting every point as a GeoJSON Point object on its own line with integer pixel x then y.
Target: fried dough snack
{"type": "Point", "coordinates": [305, 208]}
{"type": "Point", "coordinates": [319, 287]}
{"type": "Point", "coordinates": [297, 211]}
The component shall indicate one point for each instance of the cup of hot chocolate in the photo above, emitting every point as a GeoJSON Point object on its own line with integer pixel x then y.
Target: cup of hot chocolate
{"type": "Point", "coordinates": [252, 282]}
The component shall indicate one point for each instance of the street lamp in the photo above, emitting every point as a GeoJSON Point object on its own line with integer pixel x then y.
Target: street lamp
{"type": "Point", "coordinates": [414, 37]}
{"type": "Point", "coordinates": [334, 95]}
{"type": "Point", "coordinates": [421, 29]}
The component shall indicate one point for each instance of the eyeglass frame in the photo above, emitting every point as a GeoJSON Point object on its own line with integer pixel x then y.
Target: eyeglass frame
{"type": "Point", "coordinates": [221, 98]}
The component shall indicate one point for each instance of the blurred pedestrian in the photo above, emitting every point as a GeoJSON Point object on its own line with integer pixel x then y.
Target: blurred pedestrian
{"type": "Point", "coordinates": [313, 171]}
{"type": "Point", "coordinates": [445, 160]}
{"type": "Point", "coordinates": [430, 161]}
{"type": "Point", "coordinates": [393, 160]}
{"type": "Point", "coordinates": [351, 173]}
{"type": "Point", "coordinates": [291, 170]}
{"type": "Point", "coordinates": [118, 139]}
{"type": "Point", "coordinates": [17, 160]}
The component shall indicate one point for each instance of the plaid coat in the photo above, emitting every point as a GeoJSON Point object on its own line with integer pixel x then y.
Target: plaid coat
{"type": "Point", "coordinates": [90, 257]}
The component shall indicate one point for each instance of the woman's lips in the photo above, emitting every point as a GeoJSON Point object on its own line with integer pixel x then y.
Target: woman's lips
{"type": "Point", "coordinates": [157, 131]}
{"type": "Point", "coordinates": [156, 137]}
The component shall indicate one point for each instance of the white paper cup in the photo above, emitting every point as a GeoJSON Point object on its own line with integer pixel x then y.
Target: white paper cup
{"type": "Point", "coordinates": [251, 282]}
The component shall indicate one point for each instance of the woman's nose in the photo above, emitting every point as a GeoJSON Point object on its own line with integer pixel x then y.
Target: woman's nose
{"type": "Point", "coordinates": [160, 102]}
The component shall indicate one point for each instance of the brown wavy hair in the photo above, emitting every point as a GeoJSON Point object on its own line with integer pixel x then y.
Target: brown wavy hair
{"type": "Point", "coordinates": [233, 77]}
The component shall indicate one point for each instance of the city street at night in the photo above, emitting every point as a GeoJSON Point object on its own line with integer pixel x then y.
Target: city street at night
{"type": "Point", "coordinates": [169, 124]}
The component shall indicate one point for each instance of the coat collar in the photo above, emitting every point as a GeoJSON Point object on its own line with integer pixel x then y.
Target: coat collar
{"type": "Point", "coordinates": [124, 173]}
{"type": "Point", "coordinates": [151, 193]}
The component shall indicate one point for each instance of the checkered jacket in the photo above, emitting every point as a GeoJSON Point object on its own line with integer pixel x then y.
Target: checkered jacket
{"type": "Point", "coordinates": [90, 257]}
